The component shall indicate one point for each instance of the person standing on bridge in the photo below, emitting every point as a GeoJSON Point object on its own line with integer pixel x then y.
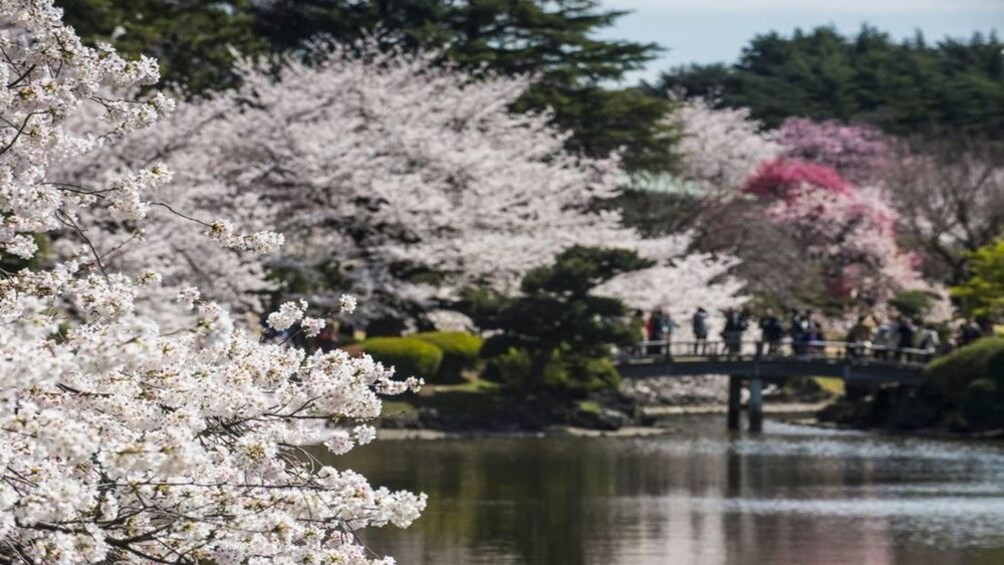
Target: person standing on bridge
{"type": "Point", "coordinates": [817, 336]}
{"type": "Point", "coordinates": [642, 325]}
{"type": "Point", "coordinates": [772, 331]}
{"type": "Point", "coordinates": [656, 332]}
{"type": "Point", "coordinates": [906, 333]}
{"type": "Point", "coordinates": [859, 338]}
{"type": "Point", "coordinates": [929, 340]}
{"type": "Point", "coordinates": [699, 324]}
{"type": "Point", "coordinates": [669, 325]}
{"type": "Point", "coordinates": [799, 325]}
{"type": "Point", "coordinates": [735, 325]}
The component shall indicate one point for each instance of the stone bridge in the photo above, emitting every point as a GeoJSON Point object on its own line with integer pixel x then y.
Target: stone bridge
{"type": "Point", "coordinates": [753, 363]}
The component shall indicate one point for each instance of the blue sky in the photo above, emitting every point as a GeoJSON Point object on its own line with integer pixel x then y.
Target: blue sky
{"type": "Point", "coordinates": [707, 31]}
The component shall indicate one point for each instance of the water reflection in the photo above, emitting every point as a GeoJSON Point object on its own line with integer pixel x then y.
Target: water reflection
{"type": "Point", "coordinates": [698, 496]}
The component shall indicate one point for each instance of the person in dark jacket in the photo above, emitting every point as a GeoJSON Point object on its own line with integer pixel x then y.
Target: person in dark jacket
{"type": "Point", "coordinates": [656, 332]}
{"type": "Point", "coordinates": [772, 331]}
{"type": "Point", "coordinates": [906, 331]}
{"type": "Point", "coordinates": [797, 330]}
{"type": "Point", "coordinates": [699, 325]}
{"type": "Point", "coordinates": [735, 325]}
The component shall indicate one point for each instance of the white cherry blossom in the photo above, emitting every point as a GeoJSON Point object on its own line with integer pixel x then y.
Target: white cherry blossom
{"type": "Point", "coordinates": [124, 443]}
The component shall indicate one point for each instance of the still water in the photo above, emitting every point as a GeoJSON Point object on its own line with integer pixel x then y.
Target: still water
{"type": "Point", "coordinates": [794, 495]}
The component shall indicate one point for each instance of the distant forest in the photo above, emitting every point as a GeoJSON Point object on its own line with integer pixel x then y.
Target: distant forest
{"type": "Point", "coordinates": [909, 87]}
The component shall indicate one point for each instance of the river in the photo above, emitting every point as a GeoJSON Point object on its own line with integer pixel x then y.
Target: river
{"type": "Point", "coordinates": [794, 495]}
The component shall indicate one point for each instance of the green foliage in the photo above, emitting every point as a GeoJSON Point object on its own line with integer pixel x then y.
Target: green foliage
{"type": "Point", "coordinates": [409, 356]}
{"type": "Point", "coordinates": [556, 322]}
{"type": "Point", "coordinates": [983, 404]}
{"type": "Point", "coordinates": [461, 352]}
{"type": "Point", "coordinates": [191, 39]}
{"type": "Point", "coordinates": [952, 374]}
{"type": "Point", "coordinates": [592, 373]}
{"type": "Point", "coordinates": [514, 369]}
{"type": "Point", "coordinates": [656, 214]}
{"type": "Point", "coordinates": [914, 304]}
{"type": "Point", "coordinates": [983, 294]}
{"type": "Point", "coordinates": [564, 372]}
{"type": "Point", "coordinates": [908, 87]}
{"type": "Point", "coordinates": [605, 120]}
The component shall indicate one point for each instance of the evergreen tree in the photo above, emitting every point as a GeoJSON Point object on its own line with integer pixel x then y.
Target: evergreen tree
{"type": "Point", "coordinates": [906, 87]}
{"type": "Point", "coordinates": [557, 331]}
{"type": "Point", "coordinates": [192, 39]}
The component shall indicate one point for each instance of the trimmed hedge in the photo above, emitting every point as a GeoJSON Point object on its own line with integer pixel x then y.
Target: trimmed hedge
{"type": "Point", "coordinates": [461, 352]}
{"type": "Point", "coordinates": [983, 404]}
{"type": "Point", "coordinates": [952, 374]}
{"type": "Point", "coordinates": [971, 380]}
{"type": "Point", "coordinates": [409, 356]}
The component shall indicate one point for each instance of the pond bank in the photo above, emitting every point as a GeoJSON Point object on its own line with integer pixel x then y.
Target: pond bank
{"type": "Point", "coordinates": [480, 407]}
{"type": "Point", "coordinates": [648, 421]}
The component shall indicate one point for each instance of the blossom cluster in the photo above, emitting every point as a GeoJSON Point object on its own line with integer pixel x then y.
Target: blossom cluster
{"type": "Point", "coordinates": [47, 74]}
{"type": "Point", "coordinates": [721, 147]}
{"type": "Point", "coordinates": [859, 153]}
{"type": "Point", "coordinates": [123, 443]}
{"type": "Point", "coordinates": [406, 180]}
{"type": "Point", "coordinates": [819, 182]}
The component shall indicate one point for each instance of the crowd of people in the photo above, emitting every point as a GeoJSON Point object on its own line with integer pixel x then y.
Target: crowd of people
{"type": "Point", "coordinates": [890, 337]}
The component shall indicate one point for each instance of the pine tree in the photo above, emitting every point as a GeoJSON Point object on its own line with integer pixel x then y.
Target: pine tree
{"type": "Point", "coordinates": [907, 88]}
{"type": "Point", "coordinates": [192, 39]}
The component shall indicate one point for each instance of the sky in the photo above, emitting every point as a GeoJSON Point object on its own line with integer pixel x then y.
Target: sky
{"type": "Point", "coordinates": [710, 31]}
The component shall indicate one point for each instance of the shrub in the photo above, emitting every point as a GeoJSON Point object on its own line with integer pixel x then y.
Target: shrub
{"type": "Point", "coordinates": [512, 370]}
{"type": "Point", "coordinates": [983, 404]}
{"type": "Point", "coordinates": [951, 375]}
{"type": "Point", "coordinates": [593, 373]}
{"type": "Point", "coordinates": [409, 356]}
{"type": "Point", "coordinates": [563, 374]}
{"type": "Point", "coordinates": [461, 351]}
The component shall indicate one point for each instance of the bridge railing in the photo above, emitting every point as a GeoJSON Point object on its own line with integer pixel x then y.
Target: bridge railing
{"type": "Point", "coordinates": [747, 350]}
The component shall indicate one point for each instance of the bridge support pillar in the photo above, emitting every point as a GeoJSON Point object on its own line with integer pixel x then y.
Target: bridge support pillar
{"type": "Point", "coordinates": [756, 405]}
{"type": "Point", "coordinates": [735, 390]}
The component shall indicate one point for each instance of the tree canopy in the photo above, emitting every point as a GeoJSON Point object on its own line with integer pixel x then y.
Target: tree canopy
{"type": "Point", "coordinates": [552, 40]}
{"type": "Point", "coordinates": [983, 294]}
{"type": "Point", "coordinates": [557, 316]}
{"type": "Point", "coordinates": [905, 87]}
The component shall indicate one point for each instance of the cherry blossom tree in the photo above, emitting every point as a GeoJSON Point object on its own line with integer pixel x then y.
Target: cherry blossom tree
{"type": "Point", "coordinates": [720, 147]}
{"type": "Point", "coordinates": [779, 201]}
{"type": "Point", "coordinates": [848, 231]}
{"type": "Point", "coordinates": [399, 180]}
{"type": "Point", "coordinates": [120, 443]}
{"type": "Point", "coordinates": [785, 179]}
{"type": "Point", "coordinates": [860, 152]}
{"type": "Point", "coordinates": [949, 195]}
